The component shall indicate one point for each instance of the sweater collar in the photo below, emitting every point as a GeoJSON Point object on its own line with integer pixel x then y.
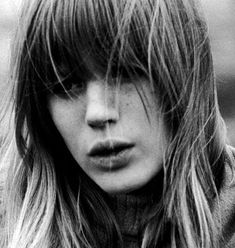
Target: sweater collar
{"type": "Point", "coordinates": [131, 209]}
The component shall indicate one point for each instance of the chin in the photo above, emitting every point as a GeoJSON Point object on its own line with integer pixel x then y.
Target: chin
{"type": "Point", "coordinates": [122, 187]}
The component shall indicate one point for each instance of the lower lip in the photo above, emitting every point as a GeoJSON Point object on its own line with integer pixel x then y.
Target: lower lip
{"type": "Point", "coordinates": [112, 162]}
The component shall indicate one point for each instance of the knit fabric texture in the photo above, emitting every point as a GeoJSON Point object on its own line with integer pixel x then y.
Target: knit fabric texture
{"type": "Point", "coordinates": [129, 211]}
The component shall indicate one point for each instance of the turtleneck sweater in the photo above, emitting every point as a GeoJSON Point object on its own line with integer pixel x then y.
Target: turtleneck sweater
{"type": "Point", "coordinates": [129, 211]}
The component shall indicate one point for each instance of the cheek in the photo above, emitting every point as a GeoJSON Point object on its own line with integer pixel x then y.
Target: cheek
{"type": "Point", "coordinates": [141, 110]}
{"type": "Point", "coordinates": [144, 119]}
{"type": "Point", "coordinates": [67, 118]}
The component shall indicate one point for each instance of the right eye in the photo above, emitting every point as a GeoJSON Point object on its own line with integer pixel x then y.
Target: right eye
{"type": "Point", "coordinates": [69, 87]}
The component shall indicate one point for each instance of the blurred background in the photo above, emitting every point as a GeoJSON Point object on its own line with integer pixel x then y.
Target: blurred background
{"type": "Point", "coordinates": [221, 20]}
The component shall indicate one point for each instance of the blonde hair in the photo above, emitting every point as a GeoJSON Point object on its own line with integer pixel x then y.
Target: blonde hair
{"type": "Point", "coordinates": [165, 41]}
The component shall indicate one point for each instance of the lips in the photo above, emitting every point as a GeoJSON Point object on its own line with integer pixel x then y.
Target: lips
{"type": "Point", "coordinates": [110, 155]}
{"type": "Point", "coordinates": [109, 148]}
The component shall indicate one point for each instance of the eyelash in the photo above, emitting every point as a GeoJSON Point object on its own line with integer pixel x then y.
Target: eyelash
{"type": "Point", "coordinates": [69, 87]}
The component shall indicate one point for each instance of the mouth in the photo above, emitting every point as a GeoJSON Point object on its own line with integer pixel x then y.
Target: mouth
{"type": "Point", "coordinates": [109, 148]}
{"type": "Point", "coordinates": [110, 155]}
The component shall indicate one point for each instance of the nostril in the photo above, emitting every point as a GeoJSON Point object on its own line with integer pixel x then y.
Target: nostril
{"type": "Point", "coordinates": [100, 123]}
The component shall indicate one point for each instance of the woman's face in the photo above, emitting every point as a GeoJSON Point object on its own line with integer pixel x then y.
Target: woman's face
{"type": "Point", "coordinates": [115, 134]}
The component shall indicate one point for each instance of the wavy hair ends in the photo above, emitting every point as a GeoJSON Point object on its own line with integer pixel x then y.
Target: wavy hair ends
{"type": "Point", "coordinates": [165, 41]}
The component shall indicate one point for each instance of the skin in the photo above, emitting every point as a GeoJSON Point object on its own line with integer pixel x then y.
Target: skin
{"type": "Point", "coordinates": [102, 113]}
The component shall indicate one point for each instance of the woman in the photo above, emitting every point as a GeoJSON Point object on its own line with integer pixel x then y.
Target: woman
{"type": "Point", "coordinates": [117, 138]}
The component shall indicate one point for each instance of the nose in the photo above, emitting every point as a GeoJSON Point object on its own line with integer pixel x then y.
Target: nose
{"type": "Point", "coordinates": [102, 107]}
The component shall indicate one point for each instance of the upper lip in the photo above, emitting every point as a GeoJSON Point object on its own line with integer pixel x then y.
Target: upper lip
{"type": "Point", "coordinates": [105, 148]}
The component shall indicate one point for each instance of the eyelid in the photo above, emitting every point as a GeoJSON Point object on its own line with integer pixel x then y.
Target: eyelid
{"type": "Point", "coordinates": [70, 86]}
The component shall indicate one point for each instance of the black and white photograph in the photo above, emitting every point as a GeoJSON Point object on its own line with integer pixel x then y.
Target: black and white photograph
{"type": "Point", "coordinates": [117, 124]}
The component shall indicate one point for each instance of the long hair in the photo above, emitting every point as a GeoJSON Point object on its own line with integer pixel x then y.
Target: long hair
{"type": "Point", "coordinates": [165, 41]}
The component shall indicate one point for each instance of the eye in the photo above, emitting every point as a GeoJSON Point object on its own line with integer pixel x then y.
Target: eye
{"type": "Point", "coordinates": [69, 87]}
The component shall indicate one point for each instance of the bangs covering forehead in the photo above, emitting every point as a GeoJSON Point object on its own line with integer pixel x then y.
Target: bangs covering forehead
{"type": "Point", "coordinates": [89, 37]}
{"type": "Point", "coordinates": [163, 41]}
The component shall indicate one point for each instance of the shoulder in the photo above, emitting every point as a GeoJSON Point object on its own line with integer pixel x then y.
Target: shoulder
{"type": "Point", "coordinates": [224, 207]}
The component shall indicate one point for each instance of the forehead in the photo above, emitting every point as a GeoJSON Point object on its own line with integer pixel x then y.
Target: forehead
{"type": "Point", "coordinates": [89, 37]}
